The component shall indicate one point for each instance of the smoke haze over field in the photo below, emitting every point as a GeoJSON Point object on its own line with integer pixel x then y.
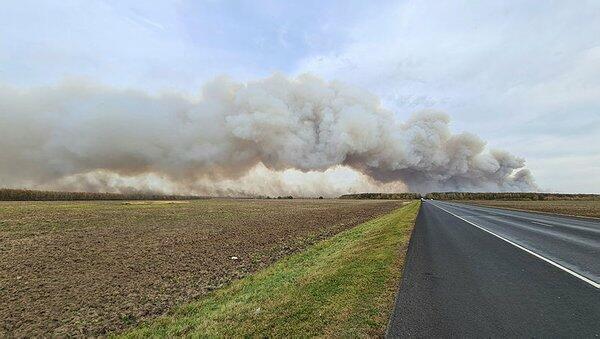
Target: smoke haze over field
{"type": "Point", "coordinates": [278, 135]}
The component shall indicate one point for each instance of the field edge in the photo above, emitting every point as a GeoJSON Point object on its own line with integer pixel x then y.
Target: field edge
{"type": "Point", "coordinates": [518, 206]}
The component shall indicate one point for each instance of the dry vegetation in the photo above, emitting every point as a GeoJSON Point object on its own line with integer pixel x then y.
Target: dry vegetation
{"type": "Point", "coordinates": [587, 208]}
{"type": "Point", "coordinates": [88, 268]}
{"type": "Point", "coordinates": [7, 194]}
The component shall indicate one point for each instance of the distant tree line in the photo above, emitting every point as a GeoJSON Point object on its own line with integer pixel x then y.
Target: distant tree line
{"type": "Point", "coordinates": [526, 196]}
{"type": "Point", "coordinates": [509, 196]}
{"type": "Point", "coordinates": [390, 196]}
{"type": "Point", "coordinates": [31, 195]}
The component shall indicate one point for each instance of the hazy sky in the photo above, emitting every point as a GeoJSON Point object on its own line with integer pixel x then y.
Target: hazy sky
{"type": "Point", "coordinates": [523, 75]}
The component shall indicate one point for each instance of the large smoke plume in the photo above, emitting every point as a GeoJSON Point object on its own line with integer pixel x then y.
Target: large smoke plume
{"type": "Point", "coordinates": [237, 138]}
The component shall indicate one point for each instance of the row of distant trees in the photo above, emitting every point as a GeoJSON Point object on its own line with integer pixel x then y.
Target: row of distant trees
{"type": "Point", "coordinates": [391, 196]}
{"type": "Point", "coordinates": [30, 195]}
{"type": "Point", "coordinates": [525, 196]}
{"type": "Point", "coordinates": [474, 196]}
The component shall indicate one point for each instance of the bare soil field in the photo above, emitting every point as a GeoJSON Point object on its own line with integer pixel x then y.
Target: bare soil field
{"type": "Point", "coordinates": [89, 268]}
{"type": "Point", "coordinates": [586, 208]}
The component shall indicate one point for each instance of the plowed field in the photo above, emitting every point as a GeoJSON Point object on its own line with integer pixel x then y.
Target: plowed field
{"type": "Point", "coordinates": [89, 268]}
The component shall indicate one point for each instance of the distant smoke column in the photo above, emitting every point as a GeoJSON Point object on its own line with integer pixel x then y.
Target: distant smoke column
{"type": "Point", "coordinates": [75, 130]}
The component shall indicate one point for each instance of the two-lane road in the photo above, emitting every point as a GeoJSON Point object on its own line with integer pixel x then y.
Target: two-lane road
{"type": "Point", "coordinates": [486, 272]}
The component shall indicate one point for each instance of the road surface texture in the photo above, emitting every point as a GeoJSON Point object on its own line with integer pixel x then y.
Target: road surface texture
{"type": "Point", "coordinates": [484, 272]}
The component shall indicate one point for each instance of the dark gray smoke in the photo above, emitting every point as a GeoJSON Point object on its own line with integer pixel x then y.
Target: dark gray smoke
{"type": "Point", "coordinates": [81, 135]}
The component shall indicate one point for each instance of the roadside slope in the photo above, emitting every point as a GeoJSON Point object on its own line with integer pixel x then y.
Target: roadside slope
{"type": "Point", "coordinates": [344, 285]}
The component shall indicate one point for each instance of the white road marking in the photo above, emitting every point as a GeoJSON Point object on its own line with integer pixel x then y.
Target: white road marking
{"type": "Point", "coordinates": [571, 272]}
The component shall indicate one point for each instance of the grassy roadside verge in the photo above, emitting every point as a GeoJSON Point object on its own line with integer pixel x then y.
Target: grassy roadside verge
{"type": "Point", "coordinates": [344, 286]}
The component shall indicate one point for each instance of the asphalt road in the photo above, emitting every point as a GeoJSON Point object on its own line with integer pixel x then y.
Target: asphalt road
{"type": "Point", "coordinates": [484, 272]}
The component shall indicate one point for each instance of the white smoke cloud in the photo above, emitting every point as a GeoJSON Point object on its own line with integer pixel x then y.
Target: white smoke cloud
{"type": "Point", "coordinates": [238, 138]}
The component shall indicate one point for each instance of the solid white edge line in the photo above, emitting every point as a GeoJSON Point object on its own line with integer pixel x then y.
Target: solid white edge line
{"type": "Point", "coordinates": [571, 272]}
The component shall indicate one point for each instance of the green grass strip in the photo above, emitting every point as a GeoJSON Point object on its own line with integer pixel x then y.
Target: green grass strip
{"type": "Point", "coordinates": [342, 286]}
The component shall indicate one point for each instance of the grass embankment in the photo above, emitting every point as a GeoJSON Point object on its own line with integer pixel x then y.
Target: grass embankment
{"type": "Point", "coordinates": [341, 286]}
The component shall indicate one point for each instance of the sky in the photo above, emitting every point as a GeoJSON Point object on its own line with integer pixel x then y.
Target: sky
{"type": "Point", "coordinates": [523, 75]}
